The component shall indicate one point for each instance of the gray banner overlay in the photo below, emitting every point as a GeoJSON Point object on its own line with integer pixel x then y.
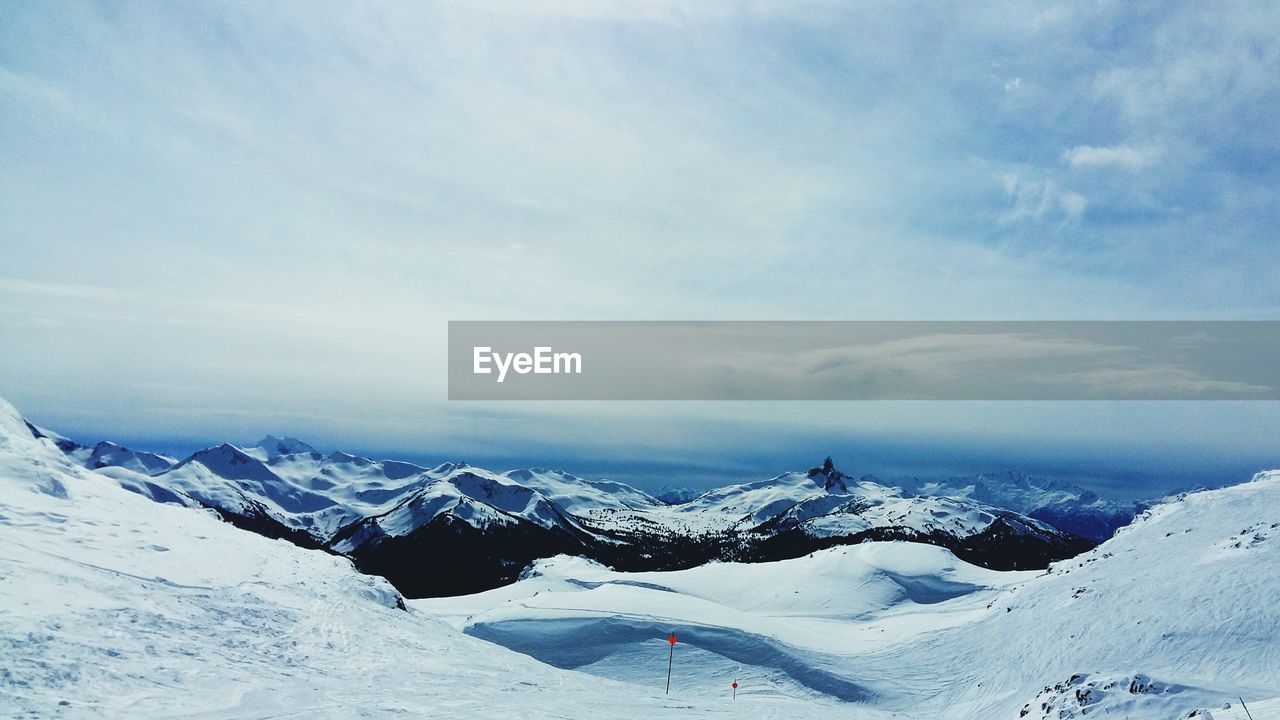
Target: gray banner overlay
{"type": "Point", "coordinates": [890, 360]}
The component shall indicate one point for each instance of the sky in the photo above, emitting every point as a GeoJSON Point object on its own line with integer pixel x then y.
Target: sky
{"type": "Point", "coordinates": [226, 219]}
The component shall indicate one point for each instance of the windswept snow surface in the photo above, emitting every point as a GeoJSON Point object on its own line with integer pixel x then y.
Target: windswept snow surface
{"type": "Point", "coordinates": [1173, 615]}
{"type": "Point", "coordinates": [783, 628]}
{"type": "Point", "coordinates": [112, 606]}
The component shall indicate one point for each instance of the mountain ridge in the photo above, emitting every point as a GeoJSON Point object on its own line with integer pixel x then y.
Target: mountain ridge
{"type": "Point", "coordinates": [481, 528]}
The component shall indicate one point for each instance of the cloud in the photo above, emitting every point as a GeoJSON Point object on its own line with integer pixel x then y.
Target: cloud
{"type": "Point", "coordinates": [1126, 157]}
{"type": "Point", "coordinates": [1072, 205]}
{"type": "Point", "coordinates": [57, 289]}
{"type": "Point", "coordinates": [1156, 381]}
{"type": "Point", "coordinates": [33, 88]}
{"type": "Point", "coordinates": [938, 353]}
{"type": "Point", "coordinates": [1035, 201]}
{"type": "Point", "coordinates": [315, 190]}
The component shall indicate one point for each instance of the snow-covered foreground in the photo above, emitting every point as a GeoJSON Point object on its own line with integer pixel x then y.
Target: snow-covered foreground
{"type": "Point", "coordinates": [1173, 615]}
{"type": "Point", "coordinates": [112, 605]}
{"type": "Point", "coordinates": [783, 628]}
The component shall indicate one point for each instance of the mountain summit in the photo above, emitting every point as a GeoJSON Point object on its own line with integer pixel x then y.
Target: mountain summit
{"type": "Point", "coordinates": [273, 447]}
{"type": "Point", "coordinates": [832, 479]}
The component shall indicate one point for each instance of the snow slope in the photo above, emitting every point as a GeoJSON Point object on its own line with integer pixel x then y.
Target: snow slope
{"type": "Point", "coordinates": [1171, 616]}
{"type": "Point", "coordinates": [781, 628]}
{"type": "Point", "coordinates": [1177, 596]}
{"type": "Point", "coordinates": [112, 606]}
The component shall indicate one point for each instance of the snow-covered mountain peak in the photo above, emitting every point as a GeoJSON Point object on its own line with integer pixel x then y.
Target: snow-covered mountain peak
{"type": "Point", "coordinates": [831, 479]}
{"type": "Point", "coordinates": [577, 494]}
{"type": "Point", "coordinates": [64, 444]}
{"type": "Point", "coordinates": [109, 454]}
{"type": "Point", "coordinates": [228, 461]}
{"type": "Point", "coordinates": [677, 494]}
{"type": "Point", "coordinates": [271, 447]}
{"type": "Point", "coordinates": [447, 468]}
{"type": "Point", "coordinates": [14, 428]}
{"type": "Point", "coordinates": [1062, 504]}
{"type": "Point", "coordinates": [527, 473]}
{"type": "Point", "coordinates": [105, 454]}
{"type": "Point", "coordinates": [338, 456]}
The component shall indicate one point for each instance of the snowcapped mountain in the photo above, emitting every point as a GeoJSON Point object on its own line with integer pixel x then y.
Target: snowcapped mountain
{"type": "Point", "coordinates": [1063, 505]}
{"type": "Point", "coordinates": [272, 447]}
{"type": "Point", "coordinates": [797, 513]}
{"type": "Point", "coordinates": [66, 445]}
{"type": "Point", "coordinates": [828, 503]}
{"type": "Point", "coordinates": [480, 529]}
{"type": "Point", "coordinates": [576, 495]}
{"type": "Point", "coordinates": [105, 454]}
{"type": "Point", "coordinates": [675, 495]}
{"type": "Point", "coordinates": [108, 454]}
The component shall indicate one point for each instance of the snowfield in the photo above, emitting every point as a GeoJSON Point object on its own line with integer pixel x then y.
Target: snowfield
{"type": "Point", "coordinates": [783, 628]}
{"type": "Point", "coordinates": [113, 605]}
{"type": "Point", "coordinates": [1173, 615]}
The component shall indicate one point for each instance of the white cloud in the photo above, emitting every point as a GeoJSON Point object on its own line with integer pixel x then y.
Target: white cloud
{"type": "Point", "coordinates": [1156, 381]}
{"type": "Point", "coordinates": [56, 289]}
{"type": "Point", "coordinates": [1127, 157]}
{"type": "Point", "coordinates": [33, 88]}
{"type": "Point", "coordinates": [1039, 201]}
{"type": "Point", "coordinates": [319, 188]}
{"type": "Point", "coordinates": [1072, 205]}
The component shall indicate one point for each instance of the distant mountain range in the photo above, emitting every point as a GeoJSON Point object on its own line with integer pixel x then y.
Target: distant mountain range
{"type": "Point", "coordinates": [1063, 505]}
{"type": "Point", "coordinates": [455, 528]}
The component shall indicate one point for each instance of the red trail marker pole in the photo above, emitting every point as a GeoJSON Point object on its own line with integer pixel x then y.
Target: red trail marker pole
{"type": "Point", "coordinates": [735, 689]}
{"type": "Point", "coordinates": [671, 653]}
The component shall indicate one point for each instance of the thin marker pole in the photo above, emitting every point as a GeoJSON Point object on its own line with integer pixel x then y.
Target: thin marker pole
{"type": "Point", "coordinates": [1246, 708]}
{"type": "Point", "coordinates": [670, 656]}
{"type": "Point", "coordinates": [671, 653]}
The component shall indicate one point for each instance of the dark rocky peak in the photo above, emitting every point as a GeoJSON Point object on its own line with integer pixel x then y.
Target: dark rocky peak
{"type": "Point", "coordinates": [832, 479]}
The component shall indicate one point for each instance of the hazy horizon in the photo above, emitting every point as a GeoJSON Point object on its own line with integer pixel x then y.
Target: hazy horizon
{"type": "Point", "coordinates": [731, 452]}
